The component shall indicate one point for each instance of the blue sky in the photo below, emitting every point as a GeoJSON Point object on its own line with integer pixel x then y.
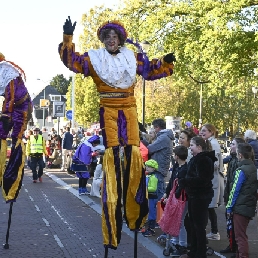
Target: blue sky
{"type": "Point", "coordinates": [31, 31]}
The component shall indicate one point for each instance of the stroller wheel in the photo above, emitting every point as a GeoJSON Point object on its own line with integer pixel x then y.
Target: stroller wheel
{"type": "Point", "coordinates": [166, 252]}
{"type": "Point", "coordinates": [209, 251]}
{"type": "Point", "coordinates": [162, 240]}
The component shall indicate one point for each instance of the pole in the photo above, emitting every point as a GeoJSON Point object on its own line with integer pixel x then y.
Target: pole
{"type": "Point", "coordinates": [73, 101]}
{"type": "Point", "coordinates": [143, 102]}
{"type": "Point", "coordinates": [44, 107]}
{"type": "Point", "coordinates": [200, 120]}
{"type": "Point", "coordinates": [58, 120]}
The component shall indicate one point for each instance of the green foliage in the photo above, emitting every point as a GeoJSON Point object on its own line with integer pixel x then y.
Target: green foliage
{"type": "Point", "coordinates": [60, 83]}
{"type": "Point", "coordinates": [215, 42]}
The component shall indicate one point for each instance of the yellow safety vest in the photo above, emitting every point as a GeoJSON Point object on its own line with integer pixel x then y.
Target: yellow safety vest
{"type": "Point", "coordinates": [36, 146]}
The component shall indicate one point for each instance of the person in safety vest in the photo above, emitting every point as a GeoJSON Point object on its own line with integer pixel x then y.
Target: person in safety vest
{"type": "Point", "coordinates": [36, 147]}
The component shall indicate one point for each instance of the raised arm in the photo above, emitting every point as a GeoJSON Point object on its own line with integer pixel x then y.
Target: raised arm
{"type": "Point", "coordinates": [71, 59]}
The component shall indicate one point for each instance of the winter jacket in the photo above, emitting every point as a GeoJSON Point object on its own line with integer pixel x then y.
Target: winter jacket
{"type": "Point", "coordinates": [152, 184]}
{"type": "Point", "coordinates": [232, 166]}
{"type": "Point", "coordinates": [198, 179]}
{"type": "Point", "coordinates": [177, 172]}
{"type": "Point", "coordinates": [254, 144]}
{"type": "Point", "coordinates": [161, 150]}
{"type": "Point", "coordinates": [67, 142]}
{"type": "Point", "coordinates": [242, 198]}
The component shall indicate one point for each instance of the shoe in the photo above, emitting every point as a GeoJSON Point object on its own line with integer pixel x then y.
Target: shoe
{"type": "Point", "coordinates": [226, 250]}
{"type": "Point", "coordinates": [157, 225]}
{"type": "Point", "coordinates": [34, 181]}
{"type": "Point", "coordinates": [213, 236]}
{"type": "Point", "coordinates": [40, 179]}
{"type": "Point", "coordinates": [179, 252]}
{"type": "Point", "coordinates": [149, 232]}
{"type": "Point", "coordinates": [80, 191]}
{"type": "Point", "coordinates": [85, 190]}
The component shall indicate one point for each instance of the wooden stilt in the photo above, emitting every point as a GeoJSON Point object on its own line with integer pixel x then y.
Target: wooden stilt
{"type": "Point", "coordinates": [135, 243]}
{"type": "Point", "coordinates": [106, 252]}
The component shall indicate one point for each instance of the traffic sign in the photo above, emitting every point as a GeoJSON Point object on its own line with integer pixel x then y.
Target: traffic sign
{"type": "Point", "coordinates": [69, 114]}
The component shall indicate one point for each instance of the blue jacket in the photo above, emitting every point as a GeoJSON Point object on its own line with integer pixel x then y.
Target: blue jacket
{"type": "Point", "coordinates": [67, 142]}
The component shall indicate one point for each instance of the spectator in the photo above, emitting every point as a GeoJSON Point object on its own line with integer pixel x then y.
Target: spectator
{"type": "Point", "coordinates": [75, 139]}
{"type": "Point", "coordinates": [151, 183]}
{"type": "Point", "coordinates": [97, 179]}
{"type": "Point", "coordinates": [208, 132]}
{"type": "Point", "coordinates": [251, 138]}
{"type": "Point", "coordinates": [179, 171]}
{"type": "Point", "coordinates": [67, 146]}
{"type": "Point", "coordinates": [198, 186]}
{"type": "Point", "coordinates": [55, 160]}
{"type": "Point", "coordinates": [242, 198]}
{"type": "Point", "coordinates": [35, 149]}
{"type": "Point", "coordinates": [44, 133]}
{"type": "Point", "coordinates": [184, 139]}
{"type": "Point", "coordinates": [161, 151]}
{"type": "Point", "coordinates": [232, 162]}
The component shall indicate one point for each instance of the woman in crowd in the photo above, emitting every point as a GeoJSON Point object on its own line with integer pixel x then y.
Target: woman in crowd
{"type": "Point", "coordinates": [198, 186]}
{"type": "Point", "coordinates": [208, 132]}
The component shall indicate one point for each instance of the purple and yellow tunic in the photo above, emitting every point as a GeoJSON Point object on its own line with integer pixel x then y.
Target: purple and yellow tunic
{"type": "Point", "coordinates": [124, 175]}
{"type": "Point", "coordinates": [17, 107]}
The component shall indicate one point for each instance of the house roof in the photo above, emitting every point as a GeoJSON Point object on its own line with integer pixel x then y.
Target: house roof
{"type": "Point", "coordinates": [49, 90]}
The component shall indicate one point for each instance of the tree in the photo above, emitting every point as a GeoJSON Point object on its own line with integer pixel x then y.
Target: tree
{"type": "Point", "coordinates": [61, 84]}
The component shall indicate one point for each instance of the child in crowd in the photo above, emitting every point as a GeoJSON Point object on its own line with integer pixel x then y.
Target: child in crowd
{"type": "Point", "coordinates": [179, 171]}
{"type": "Point", "coordinates": [242, 197]}
{"type": "Point", "coordinates": [81, 161]}
{"type": "Point", "coordinates": [198, 186]}
{"type": "Point", "coordinates": [97, 179]}
{"type": "Point", "coordinates": [152, 184]}
{"type": "Point", "coordinates": [232, 162]}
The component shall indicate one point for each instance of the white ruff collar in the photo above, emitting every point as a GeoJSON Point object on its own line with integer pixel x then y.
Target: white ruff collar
{"type": "Point", "coordinates": [7, 73]}
{"type": "Point", "coordinates": [117, 71]}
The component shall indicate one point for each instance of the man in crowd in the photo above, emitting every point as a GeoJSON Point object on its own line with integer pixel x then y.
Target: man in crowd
{"type": "Point", "coordinates": [67, 146]}
{"type": "Point", "coordinates": [35, 149]}
{"type": "Point", "coordinates": [161, 150]}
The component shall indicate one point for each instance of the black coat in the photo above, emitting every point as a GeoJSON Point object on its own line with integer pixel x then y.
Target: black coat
{"type": "Point", "coordinates": [198, 180]}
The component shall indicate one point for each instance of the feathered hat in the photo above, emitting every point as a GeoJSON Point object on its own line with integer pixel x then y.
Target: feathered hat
{"type": "Point", "coordinates": [2, 58]}
{"type": "Point", "coordinates": [113, 25]}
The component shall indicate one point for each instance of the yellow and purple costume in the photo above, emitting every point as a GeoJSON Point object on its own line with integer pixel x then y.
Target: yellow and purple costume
{"type": "Point", "coordinates": [16, 112]}
{"type": "Point", "coordinates": [122, 165]}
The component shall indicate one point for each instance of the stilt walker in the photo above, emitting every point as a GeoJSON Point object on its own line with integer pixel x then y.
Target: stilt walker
{"type": "Point", "coordinates": [113, 70]}
{"type": "Point", "coordinates": [16, 112]}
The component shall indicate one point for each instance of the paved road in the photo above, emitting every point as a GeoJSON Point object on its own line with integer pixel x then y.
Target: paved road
{"type": "Point", "coordinates": [51, 220]}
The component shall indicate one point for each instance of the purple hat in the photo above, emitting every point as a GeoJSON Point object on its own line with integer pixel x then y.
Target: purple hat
{"type": "Point", "coordinates": [93, 138]}
{"type": "Point", "coordinates": [113, 25]}
{"type": "Point", "coordinates": [188, 124]}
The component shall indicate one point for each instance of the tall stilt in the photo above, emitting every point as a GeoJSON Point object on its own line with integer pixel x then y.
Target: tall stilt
{"type": "Point", "coordinates": [135, 243]}
{"type": "Point", "coordinates": [106, 252]}
{"type": "Point", "coordinates": [6, 245]}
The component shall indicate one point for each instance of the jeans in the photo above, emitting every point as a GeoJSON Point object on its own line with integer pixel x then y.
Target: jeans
{"type": "Point", "coordinates": [152, 213]}
{"type": "Point", "coordinates": [213, 220]}
{"type": "Point", "coordinates": [33, 166]}
{"type": "Point", "coordinates": [182, 238]}
{"type": "Point", "coordinates": [198, 214]}
{"type": "Point", "coordinates": [161, 185]}
{"type": "Point", "coordinates": [241, 223]}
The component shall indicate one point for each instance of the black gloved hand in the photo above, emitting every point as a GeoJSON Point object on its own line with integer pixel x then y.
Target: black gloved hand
{"type": "Point", "coordinates": [169, 58]}
{"type": "Point", "coordinates": [6, 122]}
{"type": "Point", "coordinates": [69, 27]}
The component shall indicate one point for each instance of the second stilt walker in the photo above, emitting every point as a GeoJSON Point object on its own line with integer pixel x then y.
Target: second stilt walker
{"type": "Point", "coordinates": [113, 70]}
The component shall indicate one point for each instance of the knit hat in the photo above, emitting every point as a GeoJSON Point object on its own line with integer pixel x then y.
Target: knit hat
{"type": "Point", "coordinates": [152, 163]}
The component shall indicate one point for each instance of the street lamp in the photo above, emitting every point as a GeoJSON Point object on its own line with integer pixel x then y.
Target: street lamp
{"type": "Point", "coordinates": [254, 90]}
{"type": "Point", "coordinates": [44, 92]}
{"type": "Point", "coordinates": [145, 47]}
{"type": "Point", "coordinates": [201, 89]}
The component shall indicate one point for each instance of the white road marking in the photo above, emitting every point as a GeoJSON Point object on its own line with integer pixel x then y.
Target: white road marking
{"type": "Point", "coordinates": [58, 241]}
{"type": "Point", "coordinates": [37, 208]}
{"type": "Point", "coordinates": [219, 255]}
{"type": "Point", "coordinates": [46, 222]}
{"type": "Point", "coordinates": [31, 198]}
{"type": "Point", "coordinates": [26, 190]}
